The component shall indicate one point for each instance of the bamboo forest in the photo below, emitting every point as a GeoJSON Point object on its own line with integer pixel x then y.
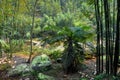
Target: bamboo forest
{"type": "Point", "coordinates": [59, 39]}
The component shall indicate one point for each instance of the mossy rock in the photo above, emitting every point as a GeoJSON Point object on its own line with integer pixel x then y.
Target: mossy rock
{"type": "Point", "coordinates": [19, 70]}
{"type": "Point", "coordinates": [42, 76]}
{"type": "Point", "coordinates": [41, 63]}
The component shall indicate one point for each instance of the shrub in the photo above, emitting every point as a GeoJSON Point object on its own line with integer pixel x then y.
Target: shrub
{"type": "Point", "coordinates": [55, 54]}
{"type": "Point", "coordinates": [104, 76]}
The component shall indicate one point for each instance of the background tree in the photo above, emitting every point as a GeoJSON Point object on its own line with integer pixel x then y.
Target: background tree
{"type": "Point", "coordinates": [32, 26]}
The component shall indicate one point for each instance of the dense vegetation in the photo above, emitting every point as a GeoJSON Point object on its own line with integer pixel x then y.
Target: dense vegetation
{"type": "Point", "coordinates": [64, 30]}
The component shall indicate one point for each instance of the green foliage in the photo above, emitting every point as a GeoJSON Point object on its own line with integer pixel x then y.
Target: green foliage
{"type": "Point", "coordinates": [63, 29]}
{"type": "Point", "coordinates": [16, 46]}
{"type": "Point", "coordinates": [55, 20]}
{"type": "Point", "coordinates": [105, 76]}
{"type": "Point", "coordinates": [3, 44]}
{"type": "Point", "coordinates": [40, 76]}
{"type": "Point", "coordinates": [77, 34]}
{"type": "Point", "coordinates": [83, 79]}
{"type": "Point", "coordinates": [44, 9]}
{"type": "Point", "coordinates": [101, 76]}
{"type": "Point", "coordinates": [55, 54]}
{"type": "Point", "coordinates": [51, 51]}
{"type": "Point", "coordinates": [48, 7]}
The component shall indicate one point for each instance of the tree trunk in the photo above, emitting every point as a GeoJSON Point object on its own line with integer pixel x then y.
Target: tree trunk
{"type": "Point", "coordinates": [31, 31]}
{"type": "Point", "coordinates": [117, 42]}
{"type": "Point", "coordinates": [98, 35]}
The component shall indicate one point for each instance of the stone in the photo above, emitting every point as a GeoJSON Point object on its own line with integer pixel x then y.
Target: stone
{"type": "Point", "coordinates": [42, 76]}
{"type": "Point", "coordinates": [41, 63]}
{"type": "Point", "coordinates": [19, 70]}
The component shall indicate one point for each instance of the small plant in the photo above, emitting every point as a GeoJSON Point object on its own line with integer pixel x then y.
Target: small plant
{"type": "Point", "coordinates": [105, 77]}
{"type": "Point", "coordinates": [17, 45]}
{"type": "Point", "coordinates": [55, 54]}
{"type": "Point", "coordinates": [84, 79]}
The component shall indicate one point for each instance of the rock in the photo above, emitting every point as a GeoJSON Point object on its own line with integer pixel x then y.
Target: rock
{"type": "Point", "coordinates": [59, 60]}
{"type": "Point", "coordinates": [65, 76]}
{"type": "Point", "coordinates": [41, 63]}
{"type": "Point", "coordinates": [19, 70]}
{"type": "Point", "coordinates": [42, 76]}
{"type": "Point", "coordinates": [18, 60]}
{"type": "Point", "coordinates": [27, 79]}
{"type": "Point", "coordinates": [24, 79]}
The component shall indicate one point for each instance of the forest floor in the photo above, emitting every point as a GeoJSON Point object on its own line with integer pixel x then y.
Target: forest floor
{"type": "Point", "coordinates": [87, 70]}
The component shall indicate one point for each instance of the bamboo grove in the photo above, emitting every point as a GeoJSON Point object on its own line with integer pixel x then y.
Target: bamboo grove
{"type": "Point", "coordinates": [108, 38]}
